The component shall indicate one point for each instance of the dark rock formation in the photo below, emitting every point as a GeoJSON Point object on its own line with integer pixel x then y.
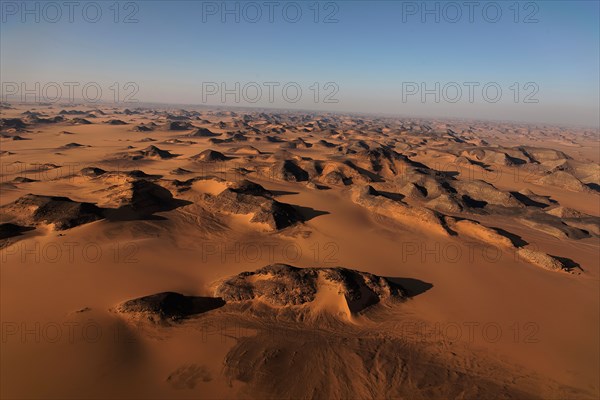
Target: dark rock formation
{"type": "Point", "coordinates": [150, 152]}
{"type": "Point", "coordinates": [63, 212]}
{"type": "Point", "coordinates": [202, 132]}
{"type": "Point", "coordinates": [288, 170]}
{"type": "Point", "coordinates": [116, 122]}
{"type": "Point", "coordinates": [285, 285]}
{"type": "Point", "coordinates": [250, 198]}
{"type": "Point", "coordinates": [210, 156]}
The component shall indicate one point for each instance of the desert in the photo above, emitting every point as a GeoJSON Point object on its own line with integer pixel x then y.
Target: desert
{"type": "Point", "coordinates": [316, 255]}
{"type": "Point", "coordinates": [320, 200]}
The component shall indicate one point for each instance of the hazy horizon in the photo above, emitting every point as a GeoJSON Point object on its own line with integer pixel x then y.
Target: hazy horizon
{"type": "Point", "coordinates": [191, 106]}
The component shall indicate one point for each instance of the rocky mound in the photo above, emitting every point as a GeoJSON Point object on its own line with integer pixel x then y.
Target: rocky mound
{"type": "Point", "coordinates": [83, 121]}
{"type": "Point", "coordinates": [478, 193]}
{"type": "Point", "coordinates": [543, 155]}
{"type": "Point", "coordinates": [177, 141]}
{"type": "Point", "coordinates": [554, 226]}
{"type": "Point", "coordinates": [144, 128]}
{"type": "Point", "coordinates": [54, 120]}
{"type": "Point", "coordinates": [382, 160]}
{"type": "Point", "coordinates": [23, 179]}
{"type": "Point", "coordinates": [178, 126]}
{"type": "Point", "coordinates": [151, 152]}
{"type": "Point", "coordinates": [138, 198]}
{"type": "Point", "coordinates": [236, 137]}
{"type": "Point", "coordinates": [202, 132]}
{"type": "Point", "coordinates": [288, 170]}
{"type": "Point", "coordinates": [325, 144]}
{"type": "Point", "coordinates": [245, 150]}
{"type": "Point", "coordinates": [248, 197]}
{"type": "Point", "coordinates": [527, 197]}
{"type": "Point", "coordinates": [543, 260]}
{"type": "Point", "coordinates": [495, 156]}
{"type": "Point", "coordinates": [72, 112]}
{"type": "Point", "coordinates": [416, 218]}
{"type": "Point", "coordinates": [12, 123]}
{"type": "Point", "coordinates": [118, 176]}
{"type": "Point", "coordinates": [210, 156]}
{"type": "Point", "coordinates": [339, 173]}
{"type": "Point", "coordinates": [116, 122]}
{"type": "Point", "coordinates": [565, 180]}
{"type": "Point", "coordinates": [355, 146]}
{"type": "Point", "coordinates": [296, 143]}
{"type": "Point", "coordinates": [169, 306]}
{"type": "Point", "coordinates": [565, 212]}
{"type": "Point", "coordinates": [284, 285]}
{"type": "Point", "coordinates": [475, 230]}
{"type": "Point", "coordinates": [62, 212]}
{"type": "Point", "coordinates": [72, 145]}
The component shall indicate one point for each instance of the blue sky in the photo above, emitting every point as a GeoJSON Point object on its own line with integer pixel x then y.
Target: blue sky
{"type": "Point", "coordinates": [371, 51]}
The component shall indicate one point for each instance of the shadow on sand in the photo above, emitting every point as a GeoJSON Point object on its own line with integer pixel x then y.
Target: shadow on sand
{"type": "Point", "coordinates": [414, 287]}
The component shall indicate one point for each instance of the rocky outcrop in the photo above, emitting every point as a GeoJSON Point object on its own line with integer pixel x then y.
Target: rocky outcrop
{"type": "Point", "coordinates": [542, 260]}
{"type": "Point", "coordinates": [288, 170]}
{"type": "Point", "coordinates": [138, 198]}
{"type": "Point", "coordinates": [61, 212]}
{"type": "Point", "coordinates": [202, 132]}
{"type": "Point", "coordinates": [116, 122]}
{"type": "Point", "coordinates": [248, 197]}
{"type": "Point", "coordinates": [285, 285]}
{"type": "Point", "coordinates": [210, 156]}
{"type": "Point", "coordinates": [178, 126]}
{"type": "Point", "coordinates": [150, 152]}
